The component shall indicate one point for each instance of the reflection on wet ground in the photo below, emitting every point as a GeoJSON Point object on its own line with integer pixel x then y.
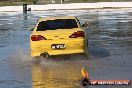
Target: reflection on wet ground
{"type": "Point", "coordinates": [109, 53]}
{"type": "Point", "coordinates": [61, 75]}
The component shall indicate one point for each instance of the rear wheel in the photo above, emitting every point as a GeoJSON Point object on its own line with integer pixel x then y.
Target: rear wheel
{"type": "Point", "coordinates": [41, 58]}
{"type": "Point", "coordinates": [44, 55]}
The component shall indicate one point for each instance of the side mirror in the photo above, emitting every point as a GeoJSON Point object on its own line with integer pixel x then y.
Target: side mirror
{"type": "Point", "coordinates": [31, 29]}
{"type": "Point", "coordinates": [85, 25]}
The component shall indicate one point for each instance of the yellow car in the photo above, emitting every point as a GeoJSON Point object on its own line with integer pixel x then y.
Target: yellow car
{"type": "Point", "coordinates": [56, 36]}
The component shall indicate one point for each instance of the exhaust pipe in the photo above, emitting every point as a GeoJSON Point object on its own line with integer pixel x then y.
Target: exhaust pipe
{"type": "Point", "coordinates": [44, 55]}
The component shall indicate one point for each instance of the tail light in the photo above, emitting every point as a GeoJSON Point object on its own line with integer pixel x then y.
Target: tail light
{"type": "Point", "coordinates": [77, 34]}
{"type": "Point", "coordinates": [37, 38]}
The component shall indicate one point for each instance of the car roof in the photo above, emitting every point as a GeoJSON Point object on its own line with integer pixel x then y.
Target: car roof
{"type": "Point", "coordinates": [58, 17]}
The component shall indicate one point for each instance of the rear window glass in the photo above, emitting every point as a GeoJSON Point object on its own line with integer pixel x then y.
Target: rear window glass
{"type": "Point", "coordinates": [57, 24]}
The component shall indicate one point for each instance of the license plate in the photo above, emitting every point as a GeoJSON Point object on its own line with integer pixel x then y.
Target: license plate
{"type": "Point", "coordinates": [58, 46]}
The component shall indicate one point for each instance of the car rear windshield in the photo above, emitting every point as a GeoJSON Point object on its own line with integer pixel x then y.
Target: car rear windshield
{"type": "Point", "coordinates": [57, 24]}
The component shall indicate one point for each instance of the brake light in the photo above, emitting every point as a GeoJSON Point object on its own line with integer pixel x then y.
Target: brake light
{"type": "Point", "coordinates": [77, 34]}
{"type": "Point", "coordinates": [37, 38]}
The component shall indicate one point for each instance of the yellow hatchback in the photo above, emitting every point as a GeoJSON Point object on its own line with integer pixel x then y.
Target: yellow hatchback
{"type": "Point", "coordinates": [56, 36]}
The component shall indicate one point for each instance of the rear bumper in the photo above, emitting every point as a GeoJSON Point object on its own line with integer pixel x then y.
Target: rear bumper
{"type": "Point", "coordinates": [59, 52]}
{"type": "Point", "coordinates": [72, 46]}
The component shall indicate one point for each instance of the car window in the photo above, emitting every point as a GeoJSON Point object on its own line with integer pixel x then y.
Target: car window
{"type": "Point", "coordinates": [57, 24]}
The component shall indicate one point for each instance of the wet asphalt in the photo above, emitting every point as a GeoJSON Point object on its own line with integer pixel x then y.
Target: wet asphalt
{"type": "Point", "coordinates": [109, 50]}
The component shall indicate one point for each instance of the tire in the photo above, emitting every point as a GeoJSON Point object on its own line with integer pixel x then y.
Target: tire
{"type": "Point", "coordinates": [44, 55]}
